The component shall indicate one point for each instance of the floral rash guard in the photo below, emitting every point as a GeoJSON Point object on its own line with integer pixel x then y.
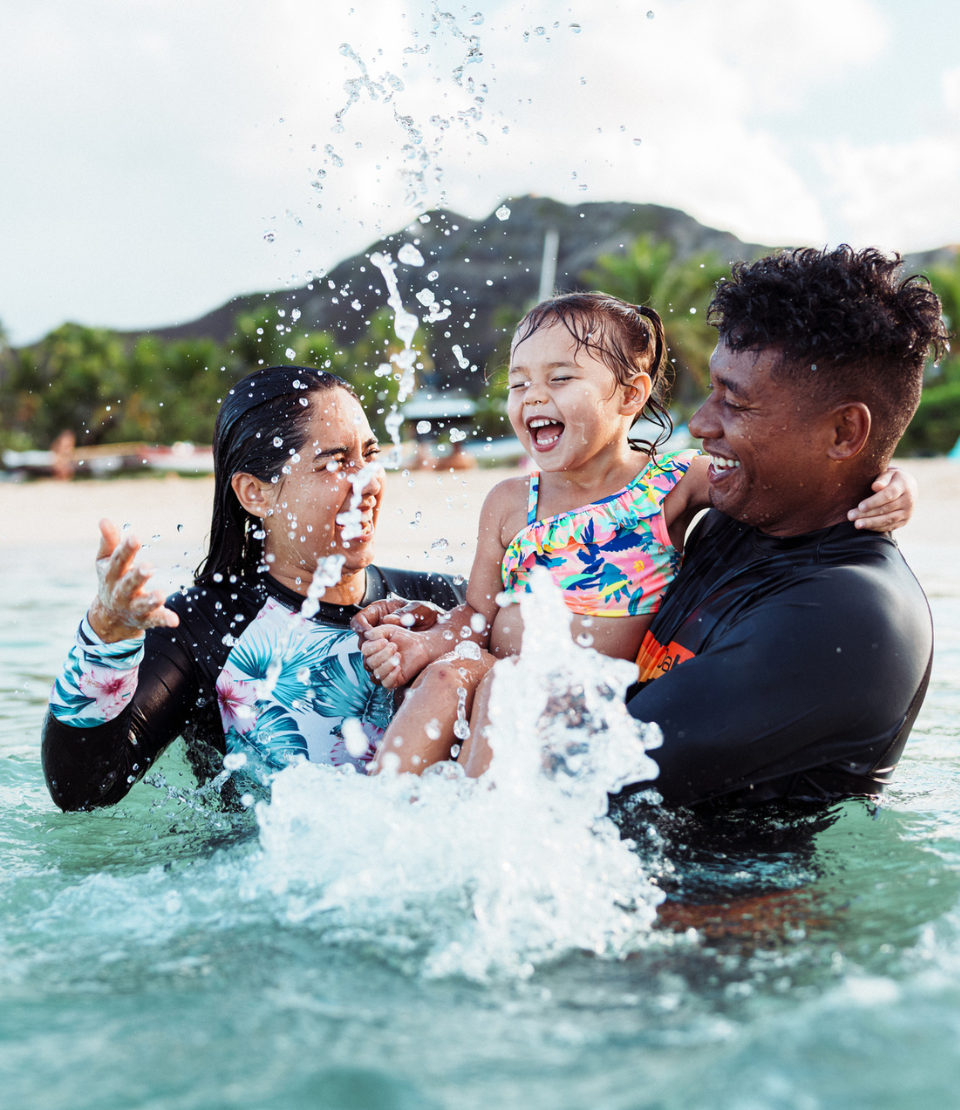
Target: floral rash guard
{"type": "Point", "coordinates": [244, 672]}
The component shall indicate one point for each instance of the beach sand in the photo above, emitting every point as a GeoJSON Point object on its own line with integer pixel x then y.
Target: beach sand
{"type": "Point", "coordinates": [428, 520]}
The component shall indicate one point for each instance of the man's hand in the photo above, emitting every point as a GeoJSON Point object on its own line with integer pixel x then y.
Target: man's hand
{"type": "Point", "coordinates": [123, 608]}
{"type": "Point", "coordinates": [891, 505]}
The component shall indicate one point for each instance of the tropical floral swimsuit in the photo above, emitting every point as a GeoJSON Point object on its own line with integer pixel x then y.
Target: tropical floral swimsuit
{"type": "Point", "coordinates": [613, 558]}
{"type": "Point", "coordinates": [244, 671]}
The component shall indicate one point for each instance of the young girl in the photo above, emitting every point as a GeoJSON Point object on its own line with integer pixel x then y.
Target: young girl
{"type": "Point", "coordinates": [604, 516]}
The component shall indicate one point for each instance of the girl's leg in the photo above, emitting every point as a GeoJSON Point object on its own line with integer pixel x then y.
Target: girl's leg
{"type": "Point", "coordinates": [476, 753]}
{"type": "Point", "coordinates": [421, 732]}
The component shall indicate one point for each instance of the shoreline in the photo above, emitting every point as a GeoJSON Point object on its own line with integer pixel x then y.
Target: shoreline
{"type": "Point", "coordinates": [171, 514]}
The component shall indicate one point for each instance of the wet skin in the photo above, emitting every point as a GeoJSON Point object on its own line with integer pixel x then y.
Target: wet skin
{"type": "Point", "coordinates": [778, 461]}
{"type": "Point", "coordinates": [300, 510]}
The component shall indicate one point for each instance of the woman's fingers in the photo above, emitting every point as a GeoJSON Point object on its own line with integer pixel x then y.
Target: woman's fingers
{"type": "Point", "coordinates": [123, 607]}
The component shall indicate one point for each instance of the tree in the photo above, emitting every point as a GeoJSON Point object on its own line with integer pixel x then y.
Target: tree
{"type": "Point", "coordinates": [648, 272]}
{"type": "Point", "coordinates": [935, 427]}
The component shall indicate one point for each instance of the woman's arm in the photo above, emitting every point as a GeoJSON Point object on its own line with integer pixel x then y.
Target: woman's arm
{"type": "Point", "coordinates": [119, 699]}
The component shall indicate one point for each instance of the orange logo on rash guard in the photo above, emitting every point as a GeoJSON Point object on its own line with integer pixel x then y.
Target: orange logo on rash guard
{"type": "Point", "coordinates": [655, 660]}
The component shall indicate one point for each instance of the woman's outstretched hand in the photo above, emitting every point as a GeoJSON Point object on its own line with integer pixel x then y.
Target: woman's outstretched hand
{"type": "Point", "coordinates": [123, 609]}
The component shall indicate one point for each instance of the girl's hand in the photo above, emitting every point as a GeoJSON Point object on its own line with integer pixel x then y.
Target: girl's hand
{"type": "Point", "coordinates": [394, 656]}
{"type": "Point", "coordinates": [891, 505]}
{"type": "Point", "coordinates": [123, 609]}
{"type": "Point", "coordinates": [395, 611]}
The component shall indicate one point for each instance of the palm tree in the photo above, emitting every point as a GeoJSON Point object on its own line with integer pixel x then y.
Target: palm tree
{"type": "Point", "coordinates": [680, 289]}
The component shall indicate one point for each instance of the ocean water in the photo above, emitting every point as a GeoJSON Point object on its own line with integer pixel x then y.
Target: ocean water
{"type": "Point", "coordinates": [346, 945]}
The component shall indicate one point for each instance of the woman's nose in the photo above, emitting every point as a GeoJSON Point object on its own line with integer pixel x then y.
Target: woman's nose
{"type": "Point", "coordinates": [369, 477]}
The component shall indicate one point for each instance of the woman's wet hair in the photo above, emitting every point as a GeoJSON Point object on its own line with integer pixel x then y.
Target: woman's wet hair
{"type": "Point", "coordinates": [264, 419]}
{"type": "Point", "coordinates": [844, 324]}
{"type": "Point", "coordinates": [628, 338]}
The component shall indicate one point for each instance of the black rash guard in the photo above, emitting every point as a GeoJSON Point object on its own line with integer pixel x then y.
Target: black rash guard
{"type": "Point", "coordinates": [784, 668]}
{"type": "Point", "coordinates": [244, 672]}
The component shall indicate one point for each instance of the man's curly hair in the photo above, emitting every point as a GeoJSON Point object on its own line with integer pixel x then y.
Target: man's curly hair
{"type": "Point", "coordinates": [845, 326]}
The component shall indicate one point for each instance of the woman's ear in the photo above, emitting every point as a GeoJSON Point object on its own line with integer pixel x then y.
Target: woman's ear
{"type": "Point", "coordinates": [636, 394]}
{"type": "Point", "coordinates": [253, 494]}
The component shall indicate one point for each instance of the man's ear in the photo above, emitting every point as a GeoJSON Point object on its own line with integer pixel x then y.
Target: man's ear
{"type": "Point", "coordinates": [850, 426]}
{"type": "Point", "coordinates": [252, 494]}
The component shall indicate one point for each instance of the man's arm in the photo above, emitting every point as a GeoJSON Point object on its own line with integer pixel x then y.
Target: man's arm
{"type": "Point", "coordinates": [820, 675]}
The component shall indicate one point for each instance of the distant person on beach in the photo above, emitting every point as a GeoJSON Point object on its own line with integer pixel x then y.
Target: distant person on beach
{"type": "Point", "coordinates": [604, 516]}
{"type": "Point", "coordinates": [249, 661]}
{"type": "Point", "coordinates": [791, 655]}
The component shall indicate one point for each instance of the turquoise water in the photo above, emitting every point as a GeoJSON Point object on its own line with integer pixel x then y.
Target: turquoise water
{"type": "Point", "coordinates": [164, 955]}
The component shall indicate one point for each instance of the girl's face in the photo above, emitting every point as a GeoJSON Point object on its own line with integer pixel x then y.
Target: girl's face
{"type": "Point", "coordinates": [566, 406]}
{"type": "Point", "coordinates": [301, 508]}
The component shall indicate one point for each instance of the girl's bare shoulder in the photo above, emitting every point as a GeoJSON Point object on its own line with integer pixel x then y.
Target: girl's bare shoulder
{"type": "Point", "coordinates": [505, 507]}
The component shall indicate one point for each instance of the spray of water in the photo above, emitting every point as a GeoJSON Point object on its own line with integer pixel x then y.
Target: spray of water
{"type": "Point", "coordinates": [484, 877]}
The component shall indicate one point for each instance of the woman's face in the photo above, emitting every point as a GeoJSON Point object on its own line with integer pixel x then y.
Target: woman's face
{"type": "Point", "coordinates": [337, 462]}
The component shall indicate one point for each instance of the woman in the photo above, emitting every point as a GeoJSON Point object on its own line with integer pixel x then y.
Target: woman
{"type": "Point", "coordinates": [245, 661]}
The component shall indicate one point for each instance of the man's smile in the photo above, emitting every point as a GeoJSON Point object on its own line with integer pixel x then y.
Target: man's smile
{"type": "Point", "coordinates": [723, 465]}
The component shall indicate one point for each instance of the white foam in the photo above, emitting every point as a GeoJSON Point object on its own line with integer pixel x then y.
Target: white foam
{"type": "Point", "coordinates": [489, 876]}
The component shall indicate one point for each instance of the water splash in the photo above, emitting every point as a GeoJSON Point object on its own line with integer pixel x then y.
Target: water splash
{"type": "Point", "coordinates": [405, 326]}
{"type": "Point", "coordinates": [479, 877]}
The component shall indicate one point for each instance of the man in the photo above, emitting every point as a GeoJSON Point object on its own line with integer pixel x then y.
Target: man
{"type": "Point", "coordinates": [791, 654]}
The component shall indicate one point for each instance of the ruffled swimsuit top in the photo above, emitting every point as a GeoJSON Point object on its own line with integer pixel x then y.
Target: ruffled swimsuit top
{"type": "Point", "coordinates": [613, 558]}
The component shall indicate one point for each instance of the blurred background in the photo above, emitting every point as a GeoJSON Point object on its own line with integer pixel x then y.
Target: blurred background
{"type": "Point", "coordinates": [189, 190]}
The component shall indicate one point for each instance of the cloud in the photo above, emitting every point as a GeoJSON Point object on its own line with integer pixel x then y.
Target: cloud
{"type": "Point", "coordinates": [901, 195]}
{"type": "Point", "coordinates": [165, 154]}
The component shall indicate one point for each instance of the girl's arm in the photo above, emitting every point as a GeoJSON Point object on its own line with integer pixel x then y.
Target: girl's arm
{"type": "Point", "coordinates": [396, 655]}
{"type": "Point", "coordinates": [890, 506]}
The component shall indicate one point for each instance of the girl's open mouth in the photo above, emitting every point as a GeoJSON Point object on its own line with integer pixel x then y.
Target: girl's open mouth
{"type": "Point", "coordinates": [544, 432]}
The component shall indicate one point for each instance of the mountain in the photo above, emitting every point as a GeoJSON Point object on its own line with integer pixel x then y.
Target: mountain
{"type": "Point", "coordinates": [487, 273]}
{"type": "Point", "coordinates": [488, 270]}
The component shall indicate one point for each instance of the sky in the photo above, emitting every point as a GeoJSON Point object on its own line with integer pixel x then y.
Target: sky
{"type": "Point", "coordinates": [162, 156]}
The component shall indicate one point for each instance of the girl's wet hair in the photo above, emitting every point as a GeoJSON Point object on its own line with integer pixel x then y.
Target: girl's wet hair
{"type": "Point", "coordinates": [264, 419]}
{"type": "Point", "coordinates": [628, 338]}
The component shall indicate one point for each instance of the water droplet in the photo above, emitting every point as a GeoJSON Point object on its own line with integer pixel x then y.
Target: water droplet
{"type": "Point", "coordinates": [575, 27]}
{"type": "Point", "coordinates": [582, 188]}
{"type": "Point", "coordinates": [269, 236]}
{"type": "Point", "coordinates": [409, 255]}
{"type": "Point", "coordinates": [693, 312]}
{"type": "Point", "coordinates": [439, 545]}
{"type": "Point", "coordinates": [433, 275]}
{"type": "Point", "coordinates": [277, 441]}
{"type": "Point", "coordinates": [540, 30]}
{"type": "Point", "coordinates": [179, 527]}
{"type": "Point", "coordinates": [423, 426]}
{"type": "Point", "coordinates": [649, 15]}
{"type": "Point", "coordinates": [503, 212]}
{"type": "Point", "coordinates": [637, 142]}
{"type": "Point", "coordinates": [290, 353]}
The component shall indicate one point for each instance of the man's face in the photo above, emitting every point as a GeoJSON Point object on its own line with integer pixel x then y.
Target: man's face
{"type": "Point", "coordinates": [767, 445]}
